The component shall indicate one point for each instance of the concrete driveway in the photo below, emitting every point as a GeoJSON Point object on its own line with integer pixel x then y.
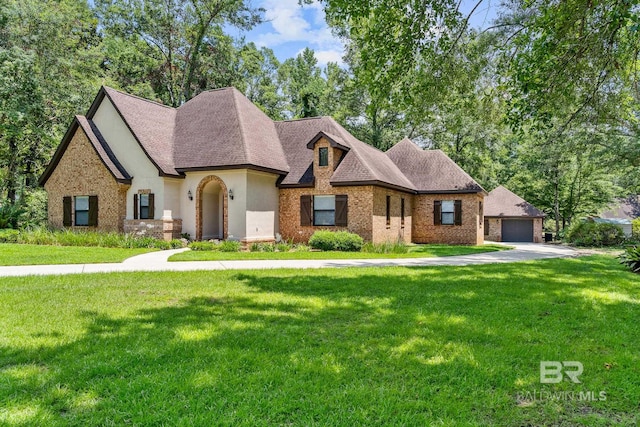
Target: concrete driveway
{"type": "Point", "coordinates": [157, 261]}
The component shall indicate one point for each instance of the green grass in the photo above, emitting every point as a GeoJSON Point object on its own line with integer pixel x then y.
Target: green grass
{"type": "Point", "coordinates": [415, 251]}
{"type": "Point", "coordinates": [19, 254]}
{"type": "Point", "coordinates": [374, 346]}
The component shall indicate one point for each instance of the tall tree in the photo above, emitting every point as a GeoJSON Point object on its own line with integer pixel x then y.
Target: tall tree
{"type": "Point", "coordinates": [180, 36]}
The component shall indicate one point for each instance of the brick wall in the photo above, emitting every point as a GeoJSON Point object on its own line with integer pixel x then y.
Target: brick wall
{"type": "Point", "coordinates": [366, 206]}
{"type": "Point", "coordinates": [495, 229]}
{"type": "Point", "coordinates": [537, 230]}
{"type": "Point", "coordinates": [80, 172]}
{"type": "Point", "coordinates": [469, 233]}
{"type": "Point", "coordinates": [393, 232]}
{"type": "Point", "coordinates": [359, 218]}
{"type": "Point", "coordinates": [164, 229]}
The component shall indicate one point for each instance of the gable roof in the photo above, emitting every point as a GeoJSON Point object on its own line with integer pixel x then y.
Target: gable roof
{"type": "Point", "coordinates": [431, 171]}
{"type": "Point", "coordinates": [99, 145]}
{"type": "Point", "coordinates": [221, 129]}
{"type": "Point", "coordinates": [150, 123]}
{"type": "Point", "coordinates": [628, 208]}
{"type": "Point", "coordinates": [361, 163]}
{"type": "Point", "coordinates": [503, 203]}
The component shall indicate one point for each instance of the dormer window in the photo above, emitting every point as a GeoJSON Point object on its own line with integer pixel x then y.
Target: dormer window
{"type": "Point", "coordinates": [323, 158]}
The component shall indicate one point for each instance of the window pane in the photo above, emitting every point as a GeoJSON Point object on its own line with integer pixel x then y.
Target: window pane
{"type": "Point", "coordinates": [82, 217]}
{"type": "Point", "coordinates": [144, 212]}
{"type": "Point", "coordinates": [447, 206]}
{"type": "Point", "coordinates": [324, 218]}
{"type": "Point", "coordinates": [144, 200]}
{"type": "Point", "coordinates": [324, 156]}
{"type": "Point", "coordinates": [447, 218]}
{"type": "Point", "coordinates": [82, 203]}
{"type": "Point", "coordinates": [324, 202]}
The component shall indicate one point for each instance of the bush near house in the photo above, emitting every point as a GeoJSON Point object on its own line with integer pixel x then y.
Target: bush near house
{"type": "Point", "coordinates": [43, 236]}
{"type": "Point", "coordinates": [336, 241]}
{"type": "Point", "coordinates": [635, 228]}
{"type": "Point", "coordinates": [224, 246]}
{"type": "Point", "coordinates": [590, 233]}
{"type": "Point", "coordinates": [631, 258]}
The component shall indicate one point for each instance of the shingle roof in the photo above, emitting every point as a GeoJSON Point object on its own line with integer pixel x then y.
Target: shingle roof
{"type": "Point", "coordinates": [152, 124]}
{"type": "Point", "coordinates": [628, 208]}
{"type": "Point", "coordinates": [503, 203]}
{"type": "Point", "coordinates": [103, 149]}
{"type": "Point", "coordinates": [97, 142]}
{"type": "Point", "coordinates": [222, 128]}
{"type": "Point", "coordinates": [431, 171]}
{"type": "Point", "coordinates": [361, 164]}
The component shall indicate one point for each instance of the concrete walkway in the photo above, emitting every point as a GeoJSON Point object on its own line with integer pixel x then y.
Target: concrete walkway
{"type": "Point", "coordinates": [157, 261]}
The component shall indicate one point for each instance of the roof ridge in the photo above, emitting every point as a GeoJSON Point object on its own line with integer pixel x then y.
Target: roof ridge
{"type": "Point", "coordinates": [139, 97]}
{"type": "Point", "coordinates": [300, 119]}
{"type": "Point", "coordinates": [243, 137]}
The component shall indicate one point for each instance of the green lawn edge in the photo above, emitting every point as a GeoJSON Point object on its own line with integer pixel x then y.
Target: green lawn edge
{"type": "Point", "coordinates": [16, 254]}
{"type": "Point", "coordinates": [355, 346]}
{"type": "Point", "coordinates": [417, 251]}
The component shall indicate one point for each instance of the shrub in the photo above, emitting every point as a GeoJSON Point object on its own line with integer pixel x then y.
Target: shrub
{"type": "Point", "coordinates": [10, 215]}
{"type": "Point", "coordinates": [9, 236]}
{"type": "Point", "coordinates": [336, 241]}
{"type": "Point", "coordinates": [283, 247]}
{"type": "Point", "coordinates": [229, 246]}
{"type": "Point", "coordinates": [631, 258]}
{"type": "Point", "coordinates": [635, 228]}
{"type": "Point", "coordinates": [255, 247]}
{"type": "Point", "coordinates": [386, 248]}
{"type": "Point", "coordinates": [591, 233]}
{"type": "Point", "coordinates": [203, 246]}
{"type": "Point", "coordinates": [176, 244]}
{"type": "Point", "coordinates": [300, 248]}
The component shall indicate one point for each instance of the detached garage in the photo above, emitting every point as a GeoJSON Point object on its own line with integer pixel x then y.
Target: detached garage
{"type": "Point", "coordinates": [510, 218]}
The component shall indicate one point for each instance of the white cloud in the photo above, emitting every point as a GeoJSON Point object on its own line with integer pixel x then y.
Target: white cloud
{"type": "Point", "coordinates": [326, 56]}
{"type": "Point", "coordinates": [292, 23]}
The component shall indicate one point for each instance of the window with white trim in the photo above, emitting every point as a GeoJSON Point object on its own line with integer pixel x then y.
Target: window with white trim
{"type": "Point", "coordinates": [447, 213]}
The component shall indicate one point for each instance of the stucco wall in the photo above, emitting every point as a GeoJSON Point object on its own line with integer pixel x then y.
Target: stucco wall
{"type": "Point", "coordinates": [130, 154]}
{"type": "Point", "coordinates": [469, 233]}
{"type": "Point", "coordinates": [252, 214]}
{"type": "Point", "coordinates": [80, 172]}
{"type": "Point", "coordinates": [262, 206]}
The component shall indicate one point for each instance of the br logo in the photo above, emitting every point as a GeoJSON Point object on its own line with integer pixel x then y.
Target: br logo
{"type": "Point", "coordinates": [551, 372]}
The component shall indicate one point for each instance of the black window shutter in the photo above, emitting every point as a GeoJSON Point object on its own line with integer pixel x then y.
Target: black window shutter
{"type": "Point", "coordinates": [152, 210]}
{"type": "Point", "coordinates": [66, 211]}
{"type": "Point", "coordinates": [457, 212]}
{"type": "Point", "coordinates": [342, 210]}
{"type": "Point", "coordinates": [135, 206]}
{"type": "Point", "coordinates": [437, 212]}
{"type": "Point", "coordinates": [306, 217]}
{"type": "Point", "coordinates": [93, 211]}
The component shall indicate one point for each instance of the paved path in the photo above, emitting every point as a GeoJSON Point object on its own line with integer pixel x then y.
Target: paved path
{"type": "Point", "coordinates": [157, 261]}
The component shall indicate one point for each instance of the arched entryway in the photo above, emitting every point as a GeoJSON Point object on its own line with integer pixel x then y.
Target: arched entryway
{"type": "Point", "coordinates": [211, 209]}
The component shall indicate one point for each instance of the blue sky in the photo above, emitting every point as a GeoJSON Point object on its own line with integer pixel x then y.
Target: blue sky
{"type": "Point", "coordinates": [289, 28]}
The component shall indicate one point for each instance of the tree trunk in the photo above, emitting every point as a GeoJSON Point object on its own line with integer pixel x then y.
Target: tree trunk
{"type": "Point", "coordinates": [12, 171]}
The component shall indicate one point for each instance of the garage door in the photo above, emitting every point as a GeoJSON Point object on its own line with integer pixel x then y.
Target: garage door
{"type": "Point", "coordinates": [517, 230]}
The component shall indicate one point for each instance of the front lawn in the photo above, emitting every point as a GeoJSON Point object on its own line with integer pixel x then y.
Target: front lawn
{"type": "Point", "coordinates": [374, 346]}
{"type": "Point", "coordinates": [415, 251]}
{"type": "Point", "coordinates": [18, 254]}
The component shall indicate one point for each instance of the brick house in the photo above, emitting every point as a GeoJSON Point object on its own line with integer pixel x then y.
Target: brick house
{"type": "Point", "coordinates": [510, 218]}
{"type": "Point", "coordinates": [218, 167]}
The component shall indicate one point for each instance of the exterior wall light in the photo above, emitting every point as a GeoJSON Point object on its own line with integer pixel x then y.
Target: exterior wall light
{"type": "Point", "coordinates": [231, 194]}
{"type": "Point", "coordinates": [189, 195]}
